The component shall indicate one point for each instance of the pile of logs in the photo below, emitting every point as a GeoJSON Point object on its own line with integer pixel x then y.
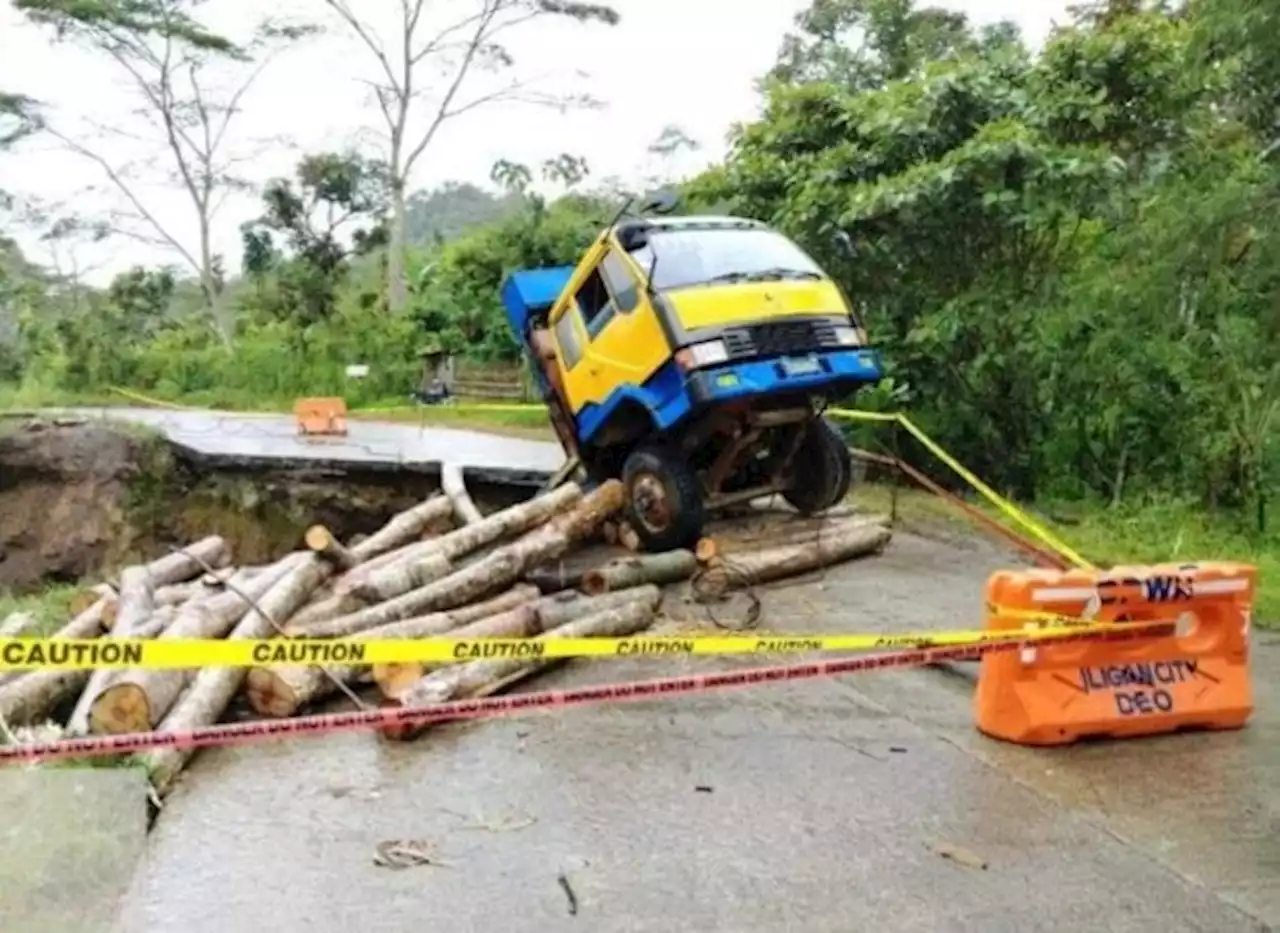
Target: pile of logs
{"type": "Point", "coordinates": [500, 575]}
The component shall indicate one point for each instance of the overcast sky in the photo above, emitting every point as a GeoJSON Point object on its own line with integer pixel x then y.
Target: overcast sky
{"type": "Point", "coordinates": [691, 63]}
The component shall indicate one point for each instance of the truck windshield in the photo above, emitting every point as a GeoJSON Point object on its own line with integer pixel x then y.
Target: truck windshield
{"type": "Point", "coordinates": [704, 257]}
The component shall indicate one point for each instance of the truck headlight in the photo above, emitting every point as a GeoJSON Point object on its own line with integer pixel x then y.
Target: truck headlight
{"type": "Point", "coordinates": [849, 336]}
{"type": "Point", "coordinates": [703, 354]}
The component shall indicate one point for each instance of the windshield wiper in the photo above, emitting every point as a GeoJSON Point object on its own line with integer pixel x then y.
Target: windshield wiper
{"type": "Point", "coordinates": [781, 273]}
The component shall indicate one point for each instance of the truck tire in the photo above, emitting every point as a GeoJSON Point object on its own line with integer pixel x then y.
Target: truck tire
{"type": "Point", "coordinates": [664, 499]}
{"type": "Point", "coordinates": [821, 471]}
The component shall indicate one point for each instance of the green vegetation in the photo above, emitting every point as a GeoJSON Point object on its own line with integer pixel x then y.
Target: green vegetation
{"type": "Point", "coordinates": [1070, 258]}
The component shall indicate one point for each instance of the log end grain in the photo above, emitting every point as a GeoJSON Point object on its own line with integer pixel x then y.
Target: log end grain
{"type": "Point", "coordinates": [270, 693]}
{"type": "Point", "coordinates": [706, 550]}
{"type": "Point", "coordinates": [628, 537]}
{"type": "Point", "coordinates": [393, 680]}
{"type": "Point", "coordinates": [120, 708]}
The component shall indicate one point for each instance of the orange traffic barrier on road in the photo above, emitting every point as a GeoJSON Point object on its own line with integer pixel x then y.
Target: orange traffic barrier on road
{"type": "Point", "coordinates": [321, 415]}
{"type": "Point", "coordinates": [1195, 676]}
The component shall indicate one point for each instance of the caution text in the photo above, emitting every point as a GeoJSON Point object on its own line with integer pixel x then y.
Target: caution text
{"type": "Point", "coordinates": [308, 652]}
{"type": "Point", "coordinates": [69, 654]}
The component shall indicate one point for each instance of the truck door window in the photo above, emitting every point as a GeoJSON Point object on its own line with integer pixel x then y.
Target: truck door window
{"type": "Point", "coordinates": [595, 303]}
{"type": "Point", "coordinates": [567, 338]}
{"type": "Point", "coordinates": [618, 277]}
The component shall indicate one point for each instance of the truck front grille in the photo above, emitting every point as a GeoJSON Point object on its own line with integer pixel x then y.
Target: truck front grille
{"type": "Point", "coordinates": [780, 338]}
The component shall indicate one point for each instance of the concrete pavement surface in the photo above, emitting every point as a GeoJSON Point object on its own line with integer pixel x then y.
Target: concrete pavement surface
{"type": "Point", "coordinates": [861, 803]}
{"type": "Point", "coordinates": [274, 437]}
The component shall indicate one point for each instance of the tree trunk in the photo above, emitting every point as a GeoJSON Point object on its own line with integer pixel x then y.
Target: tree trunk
{"type": "Point", "coordinates": [499, 569]}
{"type": "Point", "coordinates": [385, 547]}
{"type": "Point", "coordinates": [480, 677]}
{"type": "Point", "coordinates": [140, 697]}
{"type": "Point", "coordinates": [320, 540]}
{"type": "Point", "coordinates": [135, 603]}
{"type": "Point", "coordinates": [29, 698]}
{"type": "Point", "coordinates": [549, 580]}
{"type": "Point", "coordinates": [99, 680]}
{"type": "Point", "coordinates": [563, 608]}
{"type": "Point", "coordinates": [840, 543]}
{"type": "Point", "coordinates": [399, 578]}
{"type": "Point", "coordinates": [281, 690]}
{"type": "Point", "coordinates": [212, 688]}
{"type": "Point", "coordinates": [628, 538]}
{"type": "Point", "coordinates": [179, 566]}
{"type": "Point", "coordinates": [520, 622]}
{"type": "Point", "coordinates": [619, 574]}
{"type": "Point", "coordinates": [397, 288]}
{"type": "Point", "coordinates": [456, 489]}
{"type": "Point", "coordinates": [136, 606]}
{"type": "Point", "coordinates": [395, 679]}
{"type": "Point", "coordinates": [15, 624]}
{"type": "Point", "coordinates": [404, 527]}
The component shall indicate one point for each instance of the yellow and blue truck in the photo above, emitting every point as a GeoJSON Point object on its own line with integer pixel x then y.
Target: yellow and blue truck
{"type": "Point", "coordinates": [692, 357]}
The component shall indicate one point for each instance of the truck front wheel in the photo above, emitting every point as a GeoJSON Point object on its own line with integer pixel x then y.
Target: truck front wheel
{"type": "Point", "coordinates": [664, 502]}
{"type": "Point", "coordinates": [821, 471]}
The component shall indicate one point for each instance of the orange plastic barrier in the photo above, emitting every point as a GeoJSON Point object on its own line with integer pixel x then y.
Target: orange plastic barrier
{"type": "Point", "coordinates": [321, 415]}
{"type": "Point", "coordinates": [1195, 677]}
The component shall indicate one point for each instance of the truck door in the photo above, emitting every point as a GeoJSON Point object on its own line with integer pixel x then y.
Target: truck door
{"type": "Point", "coordinates": [626, 344]}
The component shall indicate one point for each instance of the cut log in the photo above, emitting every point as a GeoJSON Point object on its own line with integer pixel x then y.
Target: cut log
{"type": "Point", "coordinates": [136, 606]}
{"type": "Point", "coordinates": [212, 688]}
{"type": "Point", "coordinates": [479, 677]}
{"type": "Point", "coordinates": [86, 599]}
{"type": "Point", "coordinates": [99, 680]}
{"type": "Point", "coordinates": [549, 612]}
{"type": "Point", "coordinates": [456, 489]}
{"type": "Point", "coordinates": [404, 527]}
{"type": "Point", "coordinates": [848, 541]}
{"type": "Point", "coordinates": [628, 538]}
{"type": "Point", "coordinates": [136, 603]}
{"type": "Point", "coordinates": [667, 567]}
{"type": "Point", "coordinates": [17, 623]}
{"type": "Point", "coordinates": [402, 576]}
{"type": "Point", "coordinates": [554, 579]}
{"type": "Point", "coordinates": [282, 690]}
{"type": "Point", "coordinates": [321, 541]}
{"type": "Point", "coordinates": [563, 608]}
{"type": "Point", "coordinates": [520, 622]}
{"type": "Point", "coordinates": [496, 571]}
{"type": "Point", "coordinates": [31, 697]}
{"type": "Point", "coordinates": [706, 550]}
{"type": "Point", "coordinates": [609, 531]}
{"type": "Point", "coordinates": [143, 698]}
{"type": "Point", "coordinates": [396, 580]}
{"type": "Point", "coordinates": [140, 697]}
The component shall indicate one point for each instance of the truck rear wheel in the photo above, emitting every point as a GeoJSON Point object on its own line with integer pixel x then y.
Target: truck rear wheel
{"type": "Point", "coordinates": [821, 471]}
{"type": "Point", "coordinates": [664, 501]}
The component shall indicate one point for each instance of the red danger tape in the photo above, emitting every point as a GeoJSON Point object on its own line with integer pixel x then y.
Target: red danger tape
{"type": "Point", "coordinates": [399, 718]}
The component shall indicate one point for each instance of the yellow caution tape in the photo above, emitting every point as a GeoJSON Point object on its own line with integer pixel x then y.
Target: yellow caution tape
{"type": "Point", "coordinates": [84, 654]}
{"type": "Point", "coordinates": [149, 400]}
{"type": "Point", "coordinates": [1000, 502]}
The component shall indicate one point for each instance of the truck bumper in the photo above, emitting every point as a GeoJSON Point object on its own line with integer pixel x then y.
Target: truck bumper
{"type": "Point", "coordinates": [834, 373]}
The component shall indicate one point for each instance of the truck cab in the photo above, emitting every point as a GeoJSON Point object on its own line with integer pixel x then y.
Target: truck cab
{"type": "Point", "coordinates": [692, 357]}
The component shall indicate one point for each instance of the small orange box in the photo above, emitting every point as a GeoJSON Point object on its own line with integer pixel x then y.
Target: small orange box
{"type": "Point", "coordinates": [1196, 677]}
{"type": "Point", "coordinates": [321, 416]}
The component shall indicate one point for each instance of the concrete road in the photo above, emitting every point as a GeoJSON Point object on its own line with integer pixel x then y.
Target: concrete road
{"type": "Point", "coordinates": [274, 437]}
{"type": "Point", "coordinates": [863, 803]}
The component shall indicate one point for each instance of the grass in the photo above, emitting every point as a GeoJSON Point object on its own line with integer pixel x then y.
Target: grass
{"type": "Point", "coordinates": [51, 606]}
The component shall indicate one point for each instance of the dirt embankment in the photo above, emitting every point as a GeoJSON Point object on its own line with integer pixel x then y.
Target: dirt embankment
{"type": "Point", "coordinates": [78, 500]}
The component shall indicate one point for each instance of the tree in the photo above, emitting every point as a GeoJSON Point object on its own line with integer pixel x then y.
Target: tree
{"type": "Point", "coordinates": [459, 51]}
{"type": "Point", "coordinates": [334, 208]}
{"type": "Point", "coordinates": [173, 61]}
{"type": "Point", "coordinates": [864, 44]}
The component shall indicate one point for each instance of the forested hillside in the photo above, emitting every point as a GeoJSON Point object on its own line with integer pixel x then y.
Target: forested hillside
{"type": "Point", "coordinates": [1071, 258]}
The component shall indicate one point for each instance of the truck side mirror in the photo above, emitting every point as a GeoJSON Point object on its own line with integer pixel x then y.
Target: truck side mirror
{"type": "Point", "coordinates": [663, 203]}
